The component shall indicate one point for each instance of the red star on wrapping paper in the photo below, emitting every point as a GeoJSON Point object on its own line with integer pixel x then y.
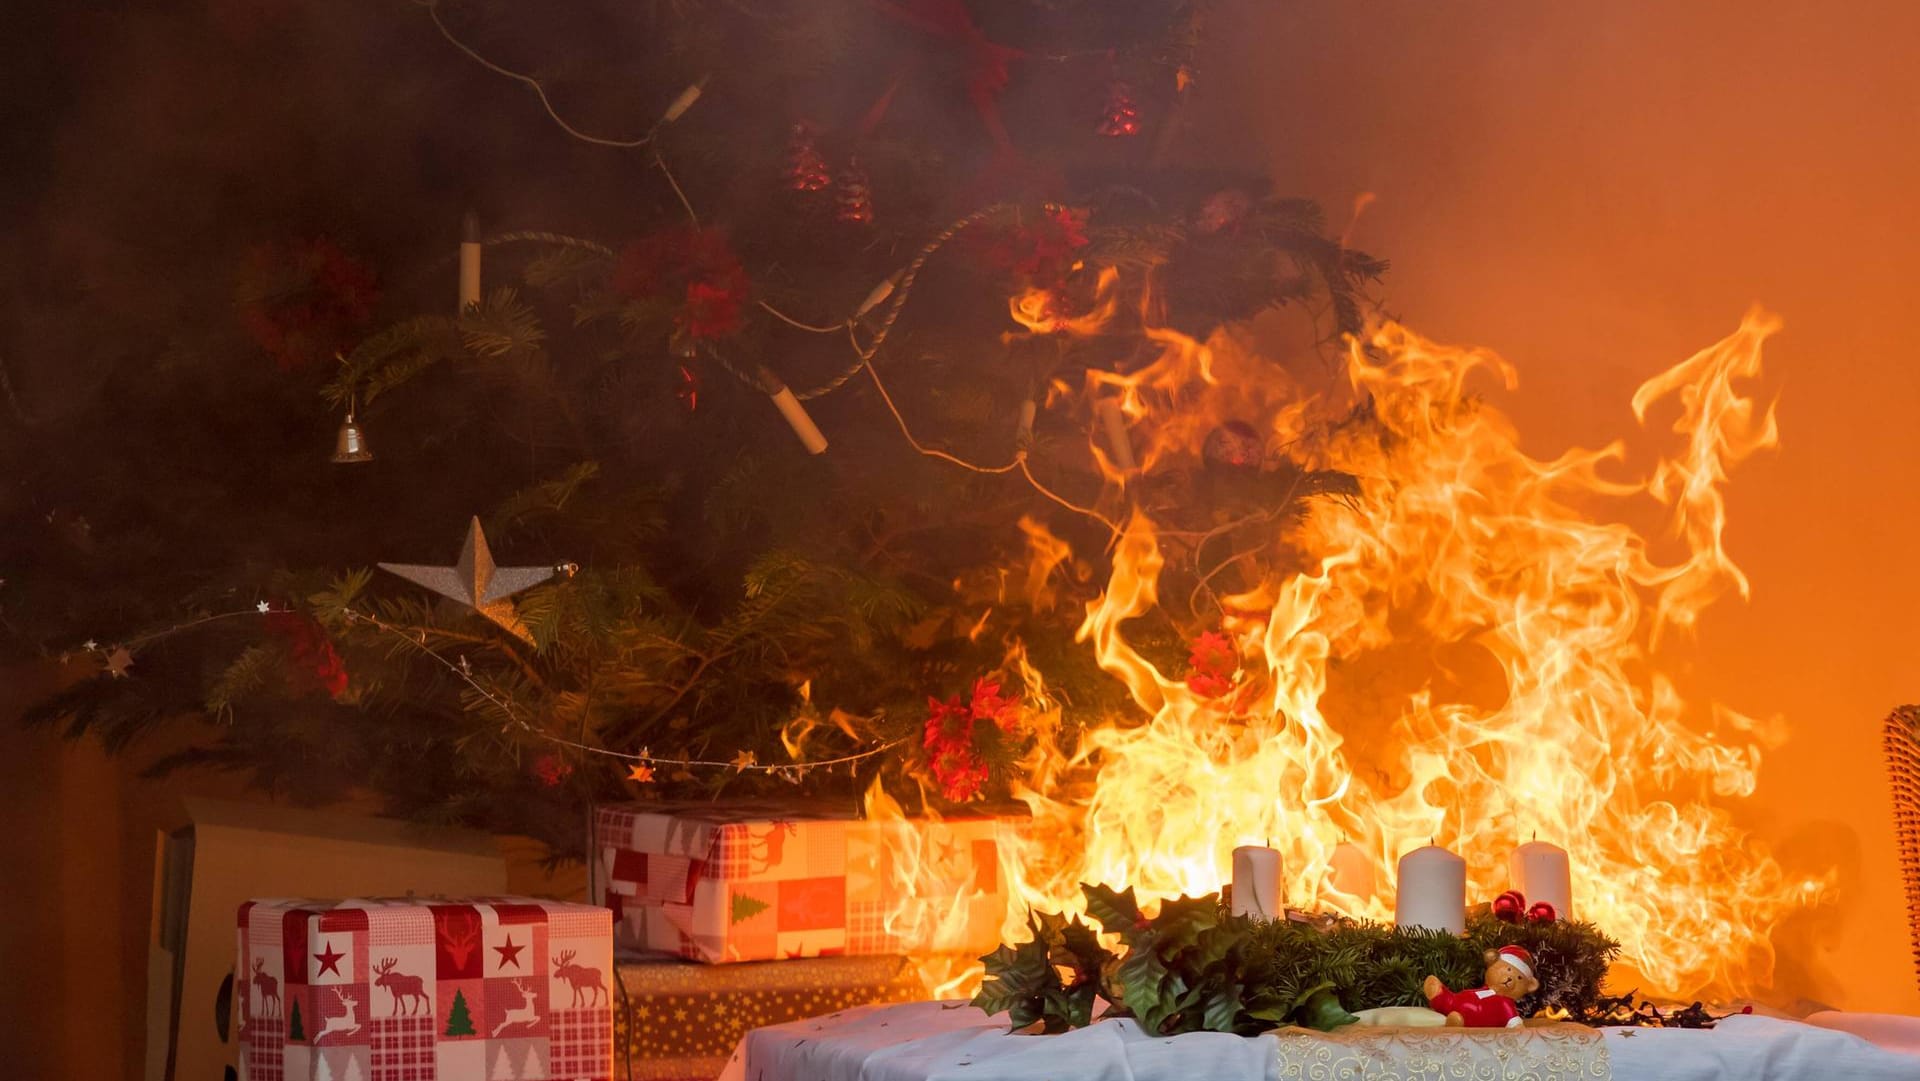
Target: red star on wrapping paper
{"type": "Point", "coordinates": [329, 960]}
{"type": "Point", "coordinates": [509, 953]}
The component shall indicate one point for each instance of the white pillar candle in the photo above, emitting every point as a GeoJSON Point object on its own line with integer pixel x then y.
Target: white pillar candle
{"type": "Point", "coordinates": [1542, 872]}
{"type": "Point", "coordinates": [469, 262]}
{"type": "Point", "coordinates": [1351, 871]}
{"type": "Point", "coordinates": [1256, 882]}
{"type": "Point", "coordinates": [1431, 890]}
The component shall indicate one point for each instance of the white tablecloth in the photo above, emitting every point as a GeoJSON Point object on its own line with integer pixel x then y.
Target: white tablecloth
{"type": "Point", "coordinates": [930, 1041]}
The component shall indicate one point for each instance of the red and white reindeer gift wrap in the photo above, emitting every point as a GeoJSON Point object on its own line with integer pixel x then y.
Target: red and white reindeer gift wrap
{"type": "Point", "coordinates": [409, 989]}
{"type": "Point", "coordinates": [759, 881]}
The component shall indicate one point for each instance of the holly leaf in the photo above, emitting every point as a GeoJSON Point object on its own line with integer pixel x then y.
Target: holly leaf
{"type": "Point", "coordinates": [1323, 1011]}
{"type": "Point", "coordinates": [1067, 1009]}
{"type": "Point", "coordinates": [1182, 920]}
{"type": "Point", "coordinates": [1223, 1009]}
{"type": "Point", "coordinates": [1079, 949]}
{"type": "Point", "coordinates": [1049, 928]}
{"type": "Point", "coordinates": [1269, 1009]}
{"type": "Point", "coordinates": [1212, 947]}
{"type": "Point", "coordinates": [1117, 912]}
{"type": "Point", "coordinates": [996, 996]}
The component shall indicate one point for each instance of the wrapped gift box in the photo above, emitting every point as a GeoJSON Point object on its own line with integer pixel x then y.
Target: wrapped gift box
{"type": "Point", "coordinates": [767, 881]}
{"type": "Point", "coordinates": [424, 990]}
{"type": "Point", "coordinates": [679, 1022]}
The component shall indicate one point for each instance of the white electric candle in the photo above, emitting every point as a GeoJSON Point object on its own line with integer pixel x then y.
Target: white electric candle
{"type": "Point", "coordinates": [469, 261]}
{"type": "Point", "coordinates": [1023, 433]}
{"type": "Point", "coordinates": [1256, 882]}
{"type": "Point", "coordinates": [793, 411]}
{"type": "Point", "coordinates": [1351, 871]}
{"type": "Point", "coordinates": [679, 106]}
{"type": "Point", "coordinates": [1431, 890]}
{"type": "Point", "coordinates": [1542, 872]}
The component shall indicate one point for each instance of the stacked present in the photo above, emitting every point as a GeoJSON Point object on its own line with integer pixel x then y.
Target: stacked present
{"type": "Point", "coordinates": [679, 1021]}
{"type": "Point", "coordinates": [424, 990]}
{"type": "Point", "coordinates": [766, 881]}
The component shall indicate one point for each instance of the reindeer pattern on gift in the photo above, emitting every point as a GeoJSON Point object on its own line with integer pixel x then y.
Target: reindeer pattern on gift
{"type": "Point", "coordinates": [768, 849]}
{"type": "Point", "coordinates": [344, 1024]}
{"type": "Point", "coordinates": [410, 989]}
{"type": "Point", "coordinates": [460, 940]}
{"type": "Point", "coordinates": [581, 978]}
{"type": "Point", "coordinates": [268, 987]}
{"type": "Point", "coordinates": [526, 1014]}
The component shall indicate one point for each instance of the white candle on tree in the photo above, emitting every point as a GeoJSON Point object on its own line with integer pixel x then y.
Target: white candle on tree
{"type": "Point", "coordinates": [469, 262]}
{"type": "Point", "coordinates": [1351, 871]}
{"type": "Point", "coordinates": [1256, 882]}
{"type": "Point", "coordinates": [1542, 872]}
{"type": "Point", "coordinates": [795, 413]}
{"type": "Point", "coordinates": [1431, 890]}
{"type": "Point", "coordinates": [1119, 445]}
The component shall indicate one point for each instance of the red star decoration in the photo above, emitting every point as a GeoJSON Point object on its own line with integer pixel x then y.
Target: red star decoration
{"type": "Point", "coordinates": [509, 953]}
{"type": "Point", "coordinates": [329, 960]}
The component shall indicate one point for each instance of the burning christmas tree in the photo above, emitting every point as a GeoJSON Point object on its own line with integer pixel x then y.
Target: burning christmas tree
{"type": "Point", "coordinates": [930, 456]}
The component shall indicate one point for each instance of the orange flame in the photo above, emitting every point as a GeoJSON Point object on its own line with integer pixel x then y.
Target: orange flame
{"type": "Point", "coordinates": [1465, 649]}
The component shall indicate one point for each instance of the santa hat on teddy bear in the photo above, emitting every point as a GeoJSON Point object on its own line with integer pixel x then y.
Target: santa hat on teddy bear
{"type": "Point", "coordinates": [1519, 958]}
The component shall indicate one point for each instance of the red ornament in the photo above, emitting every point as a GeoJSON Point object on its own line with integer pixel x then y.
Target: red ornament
{"type": "Point", "coordinates": [953, 756]}
{"type": "Point", "coordinates": [806, 170]}
{"type": "Point", "coordinates": [1224, 211]}
{"type": "Point", "coordinates": [1214, 663]}
{"type": "Point", "coordinates": [852, 198]}
{"type": "Point", "coordinates": [551, 770]}
{"type": "Point", "coordinates": [1510, 907]}
{"type": "Point", "coordinates": [316, 663]}
{"type": "Point", "coordinates": [1043, 249]}
{"type": "Point", "coordinates": [699, 268]}
{"type": "Point", "coordinates": [1235, 444]}
{"type": "Point", "coordinates": [1542, 912]}
{"type": "Point", "coordinates": [1122, 117]}
{"type": "Point", "coordinates": [305, 301]}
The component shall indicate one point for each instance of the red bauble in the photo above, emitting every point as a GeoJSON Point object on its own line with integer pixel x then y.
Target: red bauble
{"type": "Point", "coordinates": [1542, 912]}
{"type": "Point", "coordinates": [307, 301]}
{"type": "Point", "coordinates": [1121, 117]}
{"type": "Point", "coordinates": [1235, 445]}
{"type": "Point", "coordinates": [852, 199]}
{"type": "Point", "coordinates": [806, 170]}
{"type": "Point", "coordinates": [551, 770]}
{"type": "Point", "coordinates": [1509, 907]}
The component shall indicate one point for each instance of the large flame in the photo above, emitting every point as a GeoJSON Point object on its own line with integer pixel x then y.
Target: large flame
{"type": "Point", "coordinates": [1468, 649]}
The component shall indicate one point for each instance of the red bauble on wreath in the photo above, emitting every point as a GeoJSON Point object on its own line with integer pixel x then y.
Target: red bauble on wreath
{"type": "Point", "coordinates": [1542, 912]}
{"type": "Point", "coordinates": [1510, 907]}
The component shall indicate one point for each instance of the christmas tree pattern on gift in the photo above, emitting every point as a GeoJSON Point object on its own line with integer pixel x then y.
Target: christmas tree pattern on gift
{"type": "Point", "coordinates": [459, 1018]}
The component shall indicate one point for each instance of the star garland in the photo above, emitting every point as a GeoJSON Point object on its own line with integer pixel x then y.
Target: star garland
{"type": "Point", "coordinates": [118, 658]}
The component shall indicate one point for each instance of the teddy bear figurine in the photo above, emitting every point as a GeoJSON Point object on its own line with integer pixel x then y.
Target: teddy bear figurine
{"type": "Point", "coordinates": [1509, 978]}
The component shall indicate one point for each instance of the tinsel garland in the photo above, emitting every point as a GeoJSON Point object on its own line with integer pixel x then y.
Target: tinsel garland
{"type": "Point", "coordinates": [1195, 967]}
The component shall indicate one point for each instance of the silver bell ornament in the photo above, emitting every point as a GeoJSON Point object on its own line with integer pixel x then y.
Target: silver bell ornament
{"type": "Point", "coordinates": [350, 443]}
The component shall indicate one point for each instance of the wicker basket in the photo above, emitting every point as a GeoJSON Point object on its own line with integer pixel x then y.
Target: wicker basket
{"type": "Point", "coordinates": [1902, 741]}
